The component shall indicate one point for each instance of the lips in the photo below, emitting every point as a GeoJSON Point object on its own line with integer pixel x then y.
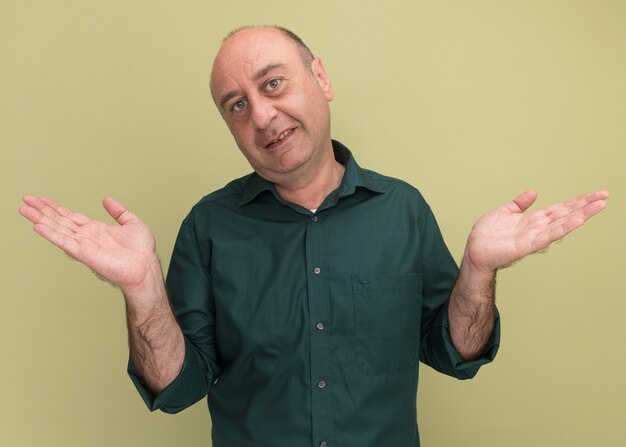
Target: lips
{"type": "Point", "coordinates": [280, 138]}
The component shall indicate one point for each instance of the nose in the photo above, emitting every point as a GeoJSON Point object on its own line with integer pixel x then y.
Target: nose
{"type": "Point", "coordinates": [263, 112]}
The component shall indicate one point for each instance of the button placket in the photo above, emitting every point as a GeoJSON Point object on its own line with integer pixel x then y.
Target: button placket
{"type": "Point", "coordinates": [319, 314]}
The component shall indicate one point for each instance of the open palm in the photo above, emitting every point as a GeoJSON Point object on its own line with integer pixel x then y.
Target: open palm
{"type": "Point", "coordinates": [508, 233]}
{"type": "Point", "coordinates": [121, 253]}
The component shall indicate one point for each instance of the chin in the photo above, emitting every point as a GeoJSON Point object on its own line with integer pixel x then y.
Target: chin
{"type": "Point", "coordinates": [292, 160]}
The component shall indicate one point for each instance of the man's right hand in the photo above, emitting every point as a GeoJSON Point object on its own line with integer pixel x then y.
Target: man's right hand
{"type": "Point", "coordinates": [124, 255]}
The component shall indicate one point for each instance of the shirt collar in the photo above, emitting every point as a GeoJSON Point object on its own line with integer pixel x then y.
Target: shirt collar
{"type": "Point", "coordinates": [353, 177]}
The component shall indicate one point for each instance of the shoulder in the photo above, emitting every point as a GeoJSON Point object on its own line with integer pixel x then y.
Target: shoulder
{"type": "Point", "coordinates": [394, 186]}
{"type": "Point", "coordinates": [232, 191]}
{"type": "Point", "coordinates": [221, 200]}
{"type": "Point", "coordinates": [398, 197]}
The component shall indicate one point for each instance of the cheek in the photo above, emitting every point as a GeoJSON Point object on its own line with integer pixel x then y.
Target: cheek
{"type": "Point", "coordinates": [240, 133]}
{"type": "Point", "coordinates": [312, 107]}
{"type": "Point", "coordinates": [245, 139]}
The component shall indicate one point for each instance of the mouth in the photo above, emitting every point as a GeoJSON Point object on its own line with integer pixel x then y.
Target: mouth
{"type": "Point", "coordinates": [285, 135]}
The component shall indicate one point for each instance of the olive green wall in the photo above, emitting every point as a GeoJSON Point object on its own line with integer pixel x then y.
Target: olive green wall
{"type": "Point", "coordinates": [471, 101]}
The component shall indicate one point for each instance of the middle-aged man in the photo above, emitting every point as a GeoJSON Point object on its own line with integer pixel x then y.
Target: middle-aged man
{"type": "Point", "coordinates": [304, 293]}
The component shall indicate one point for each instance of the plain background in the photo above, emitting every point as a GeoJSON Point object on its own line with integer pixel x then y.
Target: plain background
{"type": "Point", "coordinates": [473, 102]}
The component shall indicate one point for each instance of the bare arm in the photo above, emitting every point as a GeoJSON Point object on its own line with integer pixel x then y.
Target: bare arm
{"type": "Point", "coordinates": [123, 254]}
{"type": "Point", "coordinates": [498, 239]}
{"type": "Point", "coordinates": [156, 344]}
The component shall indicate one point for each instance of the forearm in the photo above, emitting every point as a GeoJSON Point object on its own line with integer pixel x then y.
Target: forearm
{"type": "Point", "coordinates": [471, 312]}
{"type": "Point", "coordinates": [156, 341]}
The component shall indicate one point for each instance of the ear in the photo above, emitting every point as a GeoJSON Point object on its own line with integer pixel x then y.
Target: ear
{"type": "Point", "coordinates": [320, 75]}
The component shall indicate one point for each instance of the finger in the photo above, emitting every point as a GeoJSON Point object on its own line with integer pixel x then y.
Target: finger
{"type": "Point", "coordinates": [64, 242]}
{"type": "Point", "coordinates": [30, 213]}
{"type": "Point", "coordinates": [563, 209]}
{"type": "Point", "coordinates": [56, 207]}
{"type": "Point", "coordinates": [56, 212]}
{"type": "Point", "coordinates": [35, 215]}
{"type": "Point", "coordinates": [118, 211]}
{"type": "Point", "coordinates": [522, 202]}
{"type": "Point", "coordinates": [38, 218]}
{"type": "Point", "coordinates": [580, 201]}
{"type": "Point", "coordinates": [35, 202]}
{"type": "Point", "coordinates": [77, 218]}
{"type": "Point", "coordinates": [582, 215]}
{"type": "Point", "coordinates": [47, 214]}
{"type": "Point", "coordinates": [574, 220]}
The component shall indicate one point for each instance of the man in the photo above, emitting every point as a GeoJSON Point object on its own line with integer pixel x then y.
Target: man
{"type": "Point", "coordinates": [305, 293]}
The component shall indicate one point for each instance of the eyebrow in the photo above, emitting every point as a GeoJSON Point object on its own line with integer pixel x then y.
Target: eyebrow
{"type": "Point", "coordinates": [258, 75]}
{"type": "Point", "coordinates": [262, 72]}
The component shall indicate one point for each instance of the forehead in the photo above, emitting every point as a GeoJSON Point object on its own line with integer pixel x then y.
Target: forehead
{"type": "Point", "coordinates": [247, 52]}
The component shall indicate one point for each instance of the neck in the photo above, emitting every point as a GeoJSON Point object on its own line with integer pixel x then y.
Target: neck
{"type": "Point", "coordinates": [310, 192]}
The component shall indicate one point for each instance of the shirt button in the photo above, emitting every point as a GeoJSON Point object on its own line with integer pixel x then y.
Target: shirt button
{"type": "Point", "coordinates": [323, 444]}
{"type": "Point", "coordinates": [321, 384]}
{"type": "Point", "coordinates": [317, 270]}
{"type": "Point", "coordinates": [314, 219]}
{"type": "Point", "coordinates": [320, 326]}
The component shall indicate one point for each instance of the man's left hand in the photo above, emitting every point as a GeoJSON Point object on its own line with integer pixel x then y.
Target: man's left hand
{"type": "Point", "coordinates": [509, 233]}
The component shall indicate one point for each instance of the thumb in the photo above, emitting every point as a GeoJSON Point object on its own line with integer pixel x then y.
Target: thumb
{"type": "Point", "coordinates": [522, 202]}
{"type": "Point", "coordinates": [118, 211]}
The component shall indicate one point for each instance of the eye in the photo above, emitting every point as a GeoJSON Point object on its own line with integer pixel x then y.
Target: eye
{"type": "Point", "coordinates": [272, 84]}
{"type": "Point", "coordinates": [239, 105]}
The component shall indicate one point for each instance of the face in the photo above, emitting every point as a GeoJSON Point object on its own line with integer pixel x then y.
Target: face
{"type": "Point", "coordinates": [274, 105]}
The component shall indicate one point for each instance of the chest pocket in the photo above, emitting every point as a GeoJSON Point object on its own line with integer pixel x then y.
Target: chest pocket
{"type": "Point", "coordinates": [387, 311]}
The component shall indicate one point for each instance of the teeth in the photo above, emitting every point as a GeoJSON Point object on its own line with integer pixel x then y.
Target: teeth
{"type": "Point", "coordinates": [281, 136]}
